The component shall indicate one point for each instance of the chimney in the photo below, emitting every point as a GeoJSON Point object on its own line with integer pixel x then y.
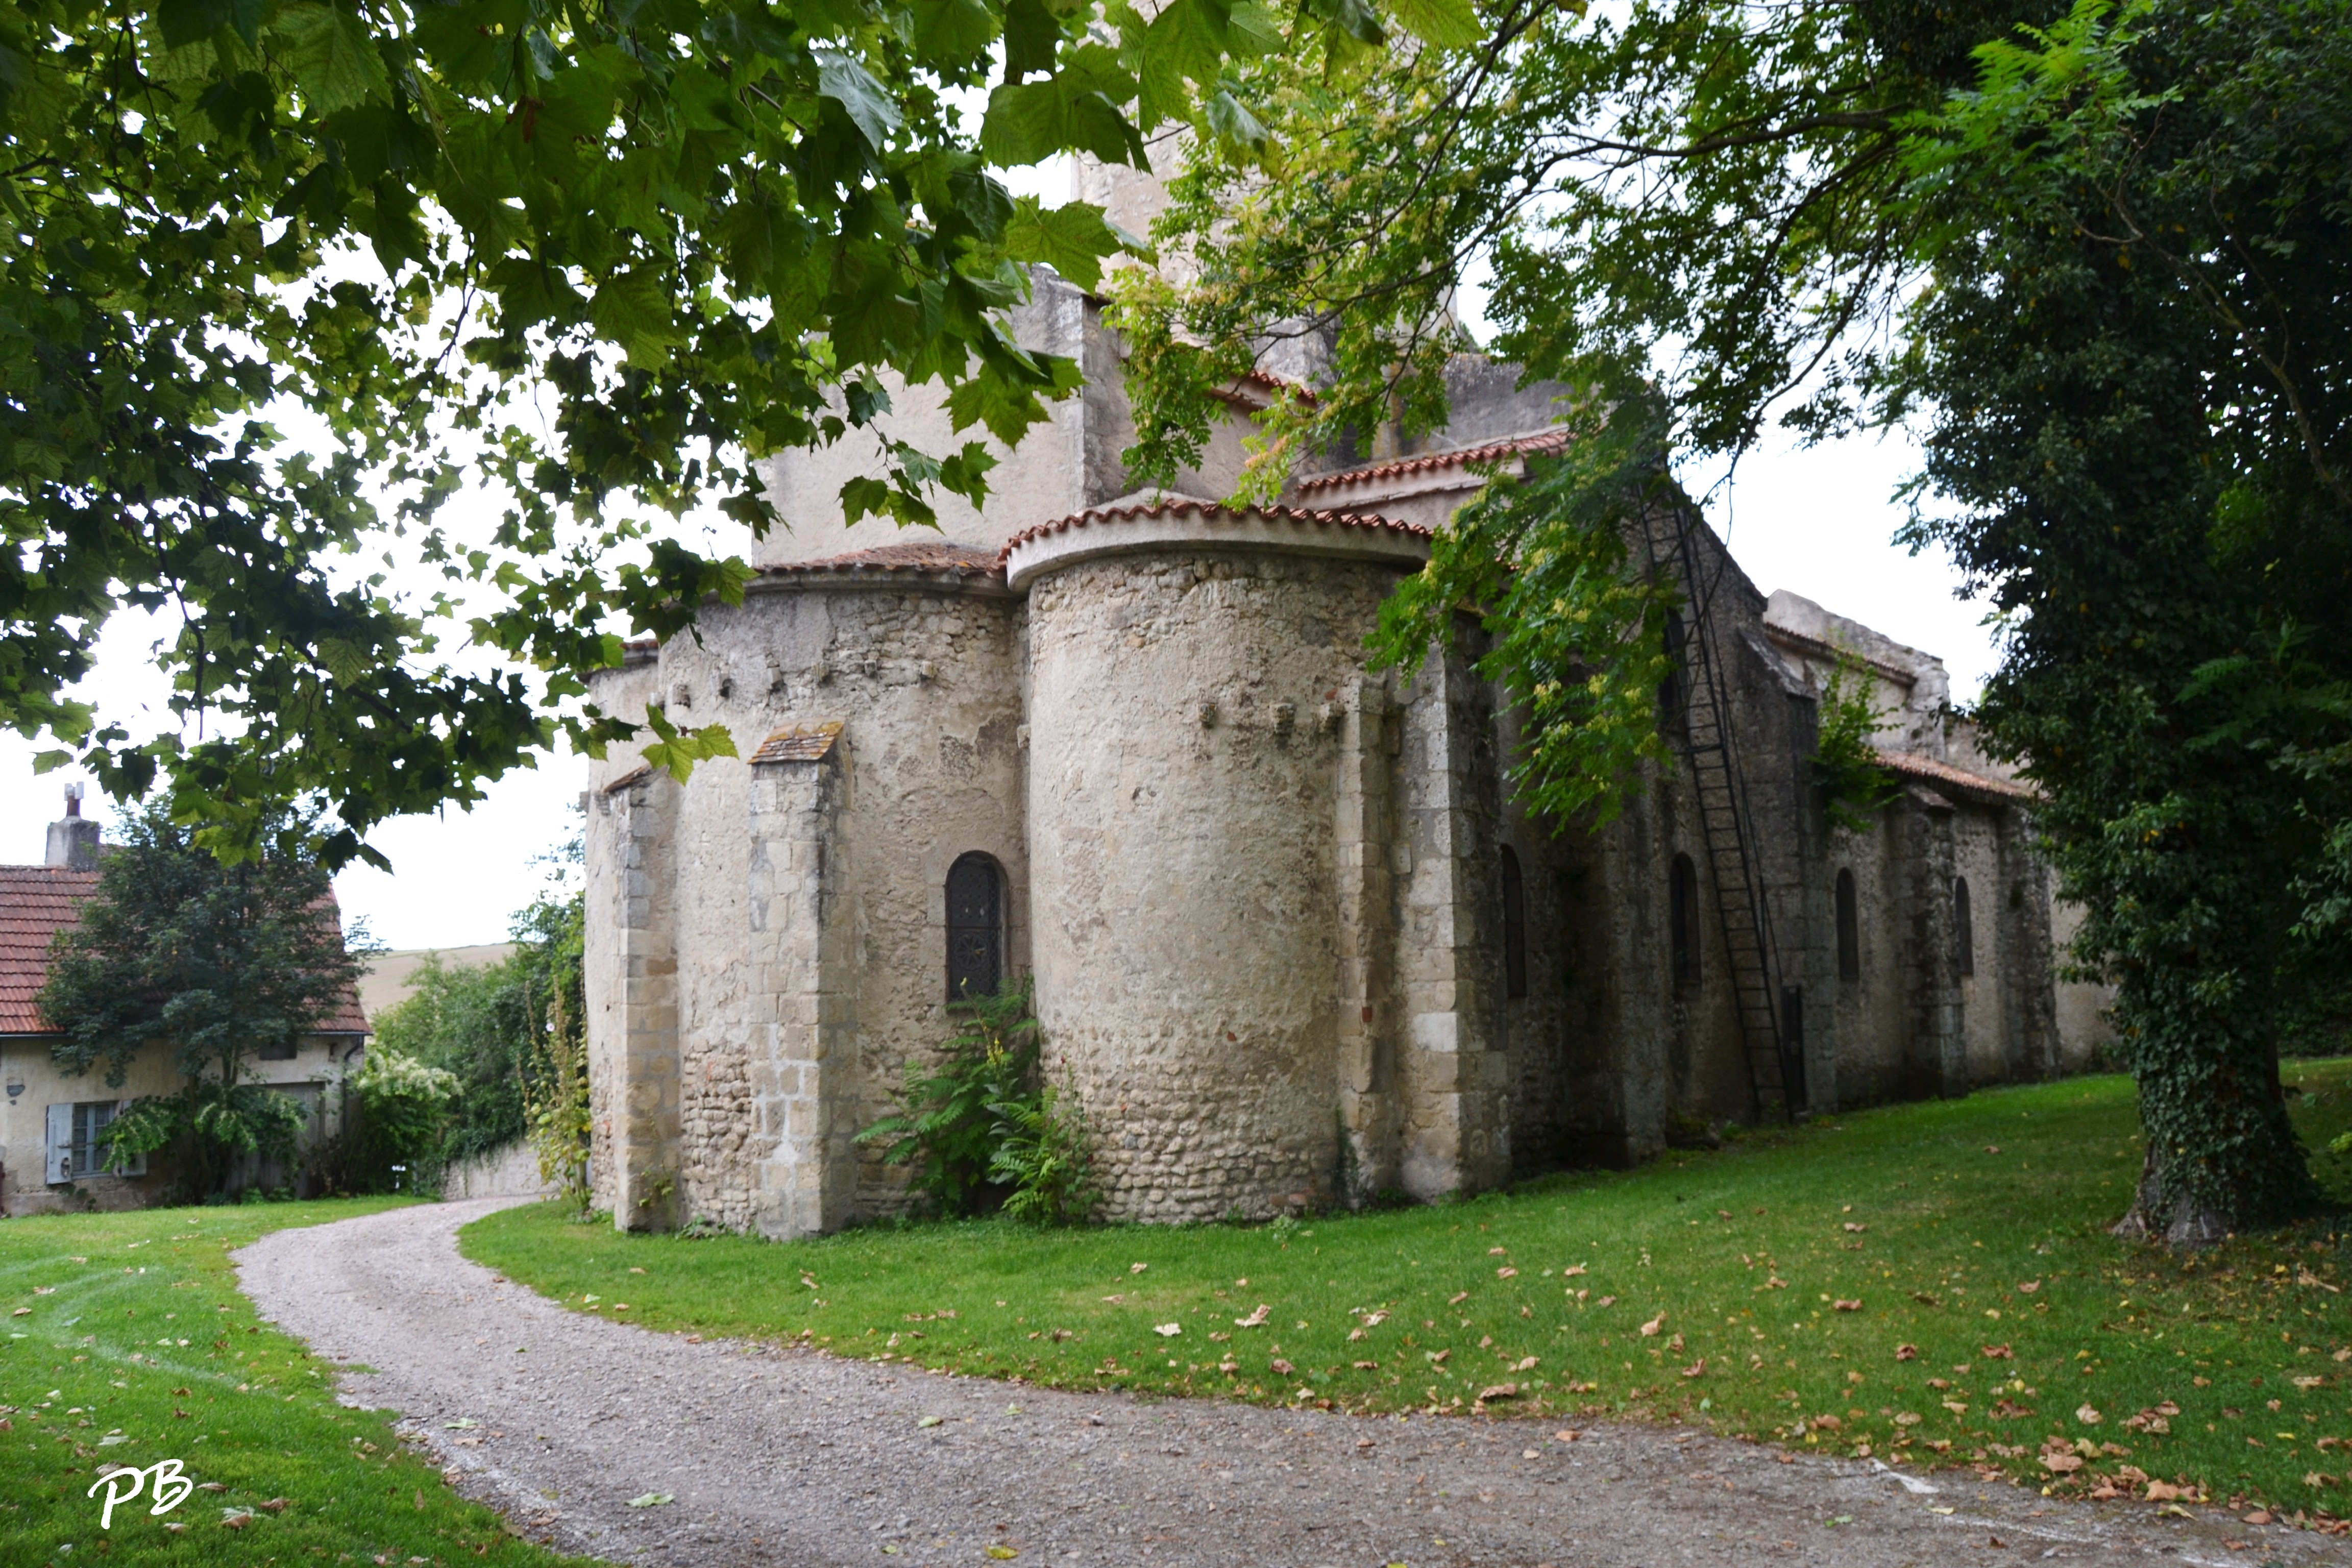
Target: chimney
{"type": "Point", "coordinates": [73, 841]}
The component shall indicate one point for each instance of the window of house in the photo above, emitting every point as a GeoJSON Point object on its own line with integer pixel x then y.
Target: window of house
{"type": "Point", "coordinates": [74, 1151]}
{"type": "Point", "coordinates": [1681, 918]}
{"type": "Point", "coordinates": [279, 1051]}
{"type": "Point", "coordinates": [1515, 927]}
{"type": "Point", "coordinates": [1964, 927]}
{"type": "Point", "coordinates": [1849, 929]}
{"type": "Point", "coordinates": [975, 927]}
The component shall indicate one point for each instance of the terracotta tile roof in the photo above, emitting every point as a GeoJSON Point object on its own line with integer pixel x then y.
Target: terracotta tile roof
{"type": "Point", "coordinates": [1945, 774]}
{"type": "Point", "coordinates": [39, 901]}
{"type": "Point", "coordinates": [1176, 506]}
{"type": "Point", "coordinates": [926, 556]}
{"type": "Point", "coordinates": [799, 744]}
{"type": "Point", "coordinates": [35, 903]}
{"type": "Point", "coordinates": [1430, 463]}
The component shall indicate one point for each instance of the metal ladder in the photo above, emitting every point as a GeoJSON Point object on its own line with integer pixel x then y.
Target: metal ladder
{"type": "Point", "coordinates": [1771, 1018]}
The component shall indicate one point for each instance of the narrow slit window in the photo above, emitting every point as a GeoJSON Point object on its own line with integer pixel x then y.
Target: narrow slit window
{"type": "Point", "coordinates": [1964, 927]}
{"type": "Point", "coordinates": [1681, 918]}
{"type": "Point", "coordinates": [1672, 691]}
{"type": "Point", "coordinates": [975, 927]}
{"type": "Point", "coordinates": [1515, 927]}
{"type": "Point", "coordinates": [1849, 929]}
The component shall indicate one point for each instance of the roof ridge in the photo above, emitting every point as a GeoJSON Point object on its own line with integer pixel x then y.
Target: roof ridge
{"type": "Point", "coordinates": [1428, 462]}
{"type": "Point", "coordinates": [1181, 505]}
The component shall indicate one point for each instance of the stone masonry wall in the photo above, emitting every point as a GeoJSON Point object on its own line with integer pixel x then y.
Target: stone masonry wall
{"type": "Point", "coordinates": [1190, 715]}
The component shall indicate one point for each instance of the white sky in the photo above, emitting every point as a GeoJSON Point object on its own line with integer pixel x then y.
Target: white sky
{"type": "Point", "coordinates": [1819, 522]}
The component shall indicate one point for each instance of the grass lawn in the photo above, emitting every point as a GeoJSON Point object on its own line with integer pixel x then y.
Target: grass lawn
{"type": "Point", "coordinates": [130, 1344]}
{"type": "Point", "coordinates": [1931, 1284]}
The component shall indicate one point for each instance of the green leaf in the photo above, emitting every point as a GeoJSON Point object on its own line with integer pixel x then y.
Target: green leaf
{"type": "Point", "coordinates": [634, 311]}
{"type": "Point", "coordinates": [1031, 36]}
{"type": "Point", "coordinates": [333, 60]}
{"type": "Point", "coordinates": [1448, 23]}
{"type": "Point", "coordinates": [953, 32]}
{"type": "Point", "coordinates": [869, 105]}
{"type": "Point", "coordinates": [1072, 238]}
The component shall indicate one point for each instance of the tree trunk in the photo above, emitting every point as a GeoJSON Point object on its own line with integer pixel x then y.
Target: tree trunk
{"type": "Point", "coordinates": [2222, 1155]}
{"type": "Point", "coordinates": [2184, 1223]}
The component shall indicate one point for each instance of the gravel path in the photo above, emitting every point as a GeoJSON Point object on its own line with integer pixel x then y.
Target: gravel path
{"type": "Point", "coordinates": [795, 1458]}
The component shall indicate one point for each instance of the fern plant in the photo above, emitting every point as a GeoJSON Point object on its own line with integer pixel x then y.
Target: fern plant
{"type": "Point", "coordinates": [1045, 1155]}
{"type": "Point", "coordinates": [949, 1125]}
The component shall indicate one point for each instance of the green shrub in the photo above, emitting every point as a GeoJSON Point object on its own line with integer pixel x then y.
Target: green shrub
{"type": "Point", "coordinates": [1045, 1152]}
{"type": "Point", "coordinates": [952, 1120]}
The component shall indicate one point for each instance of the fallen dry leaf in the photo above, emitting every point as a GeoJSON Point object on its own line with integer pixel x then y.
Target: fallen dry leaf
{"type": "Point", "coordinates": [1650, 1329]}
{"type": "Point", "coordinates": [1255, 1320]}
{"type": "Point", "coordinates": [1499, 1391]}
{"type": "Point", "coordinates": [2086, 1415]}
{"type": "Point", "coordinates": [1507, 1272]}
{"type": "Point", "coordinates": [278, 1505]}
{"type": "Point", "coordinates": [1281, 1366]}
{"type": "Point", "coordinates": [1457, 1297]}
{"type": "Point", "coordinates": [1906, 1352]}
{"type": "Point", "coordinates": [1696, 1368]}
{"type": "Point", "coordinates": [1571, 1272]}
{"type": "Point", "coordinates": [2027, 1286]}
{"type": "Point", "coordinates": [1997, 1352]}
{"type": "Point", "coordinates": [1843, 1306]}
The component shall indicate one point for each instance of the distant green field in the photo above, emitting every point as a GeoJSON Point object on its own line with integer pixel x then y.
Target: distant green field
{"type": "Point", "coordinates": [130, 1344]}
{"type": "Point", "coordinates": [1932, 1284]}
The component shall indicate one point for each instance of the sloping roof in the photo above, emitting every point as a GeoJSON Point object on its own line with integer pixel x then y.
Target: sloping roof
{"type": "Point", "coordinates": [925, 556]}
{"type": "Point", "coordinates": [1182, 505]}
{"type": "Point", "coordinates": [1430, 463]}
{"type": "Point", "coordinates": [1945, 774]}
{"type": "Point", "coordinates": [39, 901]}
{"type": "Point", "coordinates": [35, 903]}
{"type": "Point", "coordinates": [798, 743]}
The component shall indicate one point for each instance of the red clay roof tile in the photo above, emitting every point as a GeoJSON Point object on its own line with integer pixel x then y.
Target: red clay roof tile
{"type": "Point", "coordinates": [39, 901]}
{"type": "Point", "coordinates": [1430, 463]}
{"type": "Point", "coordinates": [1184, 504]}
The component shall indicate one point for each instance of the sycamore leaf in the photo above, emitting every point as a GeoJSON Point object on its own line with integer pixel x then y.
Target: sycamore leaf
{"type": "Point", "coordinates": [1071, 238]}
{"type": "Point", "coordinates": [1448, 23]}
{"type": "Point", "coordinates": [850, 85]}
{"type": "Point", "coordinates": [333, 60]}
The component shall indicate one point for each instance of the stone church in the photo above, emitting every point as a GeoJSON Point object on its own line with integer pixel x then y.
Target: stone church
{"type": "Point", "coordinates": [1292, 940]}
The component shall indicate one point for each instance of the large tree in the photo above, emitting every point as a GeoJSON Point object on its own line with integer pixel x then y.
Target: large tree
{"type": "Point", "coordinates": [593, 259]}
{"type": "Point", "coordinates": [2097, 258]}
{"type": "Point", "coordinates": [212, 964]}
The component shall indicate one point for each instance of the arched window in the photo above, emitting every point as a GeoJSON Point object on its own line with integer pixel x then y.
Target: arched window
{"type": "Point", "coordinates": [1849, 930]}
{"type": "Point", "coordinates": [1682, 916]}
{"type": "Point", "coordinates": [1515, 927]}
{"type": "Point", "coordinates": [1964, 927]}
{"type": "Point", "coordinates": [1671, 690]}
{"type": "Point", "coordinates": [975, 927]}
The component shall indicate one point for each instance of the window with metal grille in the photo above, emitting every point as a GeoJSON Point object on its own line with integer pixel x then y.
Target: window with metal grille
{"type": "Point", "coordinates": [1849, 930]}
{"type": "Point", "coordinates": [975, 927]}
{"type": "Point", "coordinates": [1515, 927]}
{"type": "Point", "coordinates": [1682, 919]}
{"type": "Point", "coordinates": [1964, 927]}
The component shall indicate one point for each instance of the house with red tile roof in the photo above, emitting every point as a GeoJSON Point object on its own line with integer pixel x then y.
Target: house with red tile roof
{"type": "Point", "coordinates": [50, 1118]}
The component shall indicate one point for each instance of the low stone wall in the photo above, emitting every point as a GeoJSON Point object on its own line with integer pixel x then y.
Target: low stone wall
{"type": "Point", "coordinates": [501, 1173]}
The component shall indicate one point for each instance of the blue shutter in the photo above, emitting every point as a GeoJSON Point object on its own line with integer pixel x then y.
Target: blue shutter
{"type": "Point", "coordinates": [59, 1152]}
